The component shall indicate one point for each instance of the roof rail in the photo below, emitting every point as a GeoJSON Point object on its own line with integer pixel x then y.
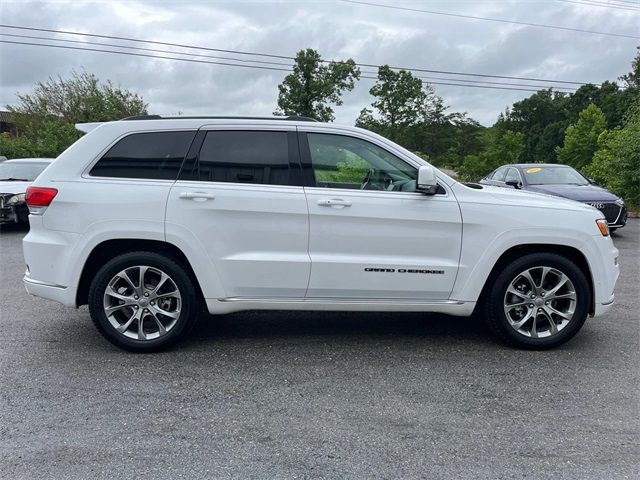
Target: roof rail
{"type": "Point", "coordinates": [143, 117]}
{"type": "Point", "coordinates": [292, 118]}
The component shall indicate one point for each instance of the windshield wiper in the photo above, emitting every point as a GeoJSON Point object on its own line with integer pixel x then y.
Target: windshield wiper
{"type": "Point", "coordinates": [11, 179]}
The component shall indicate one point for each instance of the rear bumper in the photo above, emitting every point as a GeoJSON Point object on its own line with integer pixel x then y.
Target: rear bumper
{"type": "Point", "coordinates": [51, 261]}
{"type": "Point", "coordinates": [57, 293]}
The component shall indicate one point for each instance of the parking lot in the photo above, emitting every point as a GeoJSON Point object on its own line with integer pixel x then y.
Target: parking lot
{"type": "Point", "coordinates": [316, 395]}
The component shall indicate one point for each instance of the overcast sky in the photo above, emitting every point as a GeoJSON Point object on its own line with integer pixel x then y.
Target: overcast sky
{"type": "Point", "coordinates": [337, 30]}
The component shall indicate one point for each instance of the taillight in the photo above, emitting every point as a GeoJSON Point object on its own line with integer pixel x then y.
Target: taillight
{"type": "Point", "coordinates": [39, 198]}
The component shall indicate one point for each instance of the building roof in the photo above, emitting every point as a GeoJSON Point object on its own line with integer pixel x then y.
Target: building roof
{"type": "Point", "coordinates": [5, 117]}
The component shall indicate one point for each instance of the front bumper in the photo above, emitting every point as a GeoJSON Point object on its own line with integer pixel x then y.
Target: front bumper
{"type": "Point", "coordinates": [615, 214]}
{"type": "Point", "coordinates": [14, 213]}
{"type": "Point", "coordinates": [605, 270]}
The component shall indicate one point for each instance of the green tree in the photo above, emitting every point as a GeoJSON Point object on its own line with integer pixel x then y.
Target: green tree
{"type": "Point", "coordinates": [45, 118]}
{"type": "Point", "coordinates": [542, 118]}
{"type": "Point", "coordinates": [616, 164]}
{"type": "Point", "coordinates": [632, 79]}
{"type": "Point", "coordinates": [501, 147]}
{"type": "Point", "coordinates": [413, 115]}
{"type": "Point", "coordinates": [314, 85]}
{"type": "Point", "coordinates": [581, 138]}
{"type": "Point", "coordinates": [401, 102]}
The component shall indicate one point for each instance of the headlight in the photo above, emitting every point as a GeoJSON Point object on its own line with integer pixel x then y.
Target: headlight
{"type": "Point", "coordinates": [620, 202]}
{"type": "Point", "coordinates": [16, 199]}
{"type": "Point", "coordinates": [603, 226]}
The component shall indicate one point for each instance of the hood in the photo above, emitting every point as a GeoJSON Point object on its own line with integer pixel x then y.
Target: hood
{"type": "Point", "coordinates": [580, 193]}
{"type": "Point", "coordinates": [14, 187]}
{"type": "Point", "coordinates": [532, 199]}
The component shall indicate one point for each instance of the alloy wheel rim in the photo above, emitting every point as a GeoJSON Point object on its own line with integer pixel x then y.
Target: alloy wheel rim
{"type": "Point", "coordinates": [142, 303]}
{"type": "Point", "coordinates": [540, 302]}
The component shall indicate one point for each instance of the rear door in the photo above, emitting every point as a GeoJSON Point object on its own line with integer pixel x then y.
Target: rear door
{"type": "Point", "coordinates": [372, 236]}
{"type": "Point", "coordinates": [239, 198]}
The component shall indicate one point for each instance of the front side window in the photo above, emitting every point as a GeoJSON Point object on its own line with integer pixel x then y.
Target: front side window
{"type": "Point", "coordinates": [346, 162]}
{"type": "Point", "coordinates": [499, 174]}
{"type": "Point", "coordinates": [512, 175]}
{"type": "Point", "coordinates": [244, 157]}
{"type": "Point", "coordinates": [154, 155]}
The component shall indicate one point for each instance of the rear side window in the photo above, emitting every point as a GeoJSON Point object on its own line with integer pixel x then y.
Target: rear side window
{"type": "Point", "coordinates": [155, 155]}
{"type": "Point", "coordinates": [244, 157]}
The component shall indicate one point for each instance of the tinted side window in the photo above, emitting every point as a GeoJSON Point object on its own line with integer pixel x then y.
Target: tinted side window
{"type": "Point", "coordinates": [155, 155]}
{"type": "Point", "coordinates": [244, 157]}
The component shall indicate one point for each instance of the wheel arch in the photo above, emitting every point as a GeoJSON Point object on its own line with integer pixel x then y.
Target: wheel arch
{"type": "Point", "coordinates": [109, 249]}
{"type": "Point", "coordinates": [571, 253]}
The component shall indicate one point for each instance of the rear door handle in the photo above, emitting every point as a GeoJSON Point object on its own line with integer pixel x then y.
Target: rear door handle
{"type": "Point", "coordinates": [197, 196]}
{"type": "Point", "coordinates": [334, 202]}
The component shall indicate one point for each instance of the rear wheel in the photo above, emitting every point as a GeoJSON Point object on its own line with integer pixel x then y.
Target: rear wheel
{"type": "Point", "coordinates": [539, 301]}
{"type": "Point", "coordinates": [143, 301]}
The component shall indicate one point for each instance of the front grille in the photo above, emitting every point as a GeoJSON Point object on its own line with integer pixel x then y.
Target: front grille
{"type": "Point", "coordinates": [611, 211]}
{"type": "Point", "coordinates": [4, 197]}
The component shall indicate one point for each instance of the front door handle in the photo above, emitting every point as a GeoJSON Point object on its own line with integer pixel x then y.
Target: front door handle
{"type": "Point", "coordinates": [334, 202]}
{"type": "Point", "coordinates": [197, 196]}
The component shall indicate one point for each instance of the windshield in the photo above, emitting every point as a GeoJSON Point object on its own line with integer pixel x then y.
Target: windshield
{"type": "Point", "coordinates": [21, 171]}
{"type": "Point", "coordinates": [554, 175]}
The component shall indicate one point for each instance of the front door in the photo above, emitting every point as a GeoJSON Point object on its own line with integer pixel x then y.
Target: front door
{"type": "Point", "coordinates": [371, 235]}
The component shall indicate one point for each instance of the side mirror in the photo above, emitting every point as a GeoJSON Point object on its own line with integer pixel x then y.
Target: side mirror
{"type": "Point", "coordinates": [427, 182]}
{"type": "Point", "coordinates": [514, 183]}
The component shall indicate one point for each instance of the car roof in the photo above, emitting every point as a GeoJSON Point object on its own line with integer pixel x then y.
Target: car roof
{"type": "Point", "coordinates": [30, 160]}
{"type": "Point", "coordinates": [535, 165]}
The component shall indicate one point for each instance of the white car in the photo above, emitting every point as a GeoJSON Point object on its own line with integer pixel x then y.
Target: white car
{"type": "Point", "coordinates": [150, 219]}
{"type": "Point", "coordinates": [15, 176]}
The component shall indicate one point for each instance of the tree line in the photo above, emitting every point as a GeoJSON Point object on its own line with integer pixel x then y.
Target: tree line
{"type": "Point", "coordinates": [595, 129]}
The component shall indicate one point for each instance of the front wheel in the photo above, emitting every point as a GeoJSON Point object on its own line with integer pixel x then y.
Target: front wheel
{"type": "Point", "coordinates": [538, 301]}
{"type": "Point", "coordinates": [142, 301]}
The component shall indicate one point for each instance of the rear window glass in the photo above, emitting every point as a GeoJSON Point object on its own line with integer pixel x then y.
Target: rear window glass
{"type": "Point", "coordinates": [155, 155]}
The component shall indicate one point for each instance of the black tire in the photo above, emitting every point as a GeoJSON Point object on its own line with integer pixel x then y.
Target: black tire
{"type": "Point", "coordinates": [189, 303]}
{"type": "Point", "coordinates": [495, 310]}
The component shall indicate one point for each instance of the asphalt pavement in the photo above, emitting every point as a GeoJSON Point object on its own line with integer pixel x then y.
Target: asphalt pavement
{"type": "Point", "coordinates": [271, 395]}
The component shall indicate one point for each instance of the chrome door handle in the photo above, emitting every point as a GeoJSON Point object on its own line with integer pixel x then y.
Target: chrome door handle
{"type": "Point", "coordinates": [334, 202]}
{"type": "Point", "coordinates": [197, 196]}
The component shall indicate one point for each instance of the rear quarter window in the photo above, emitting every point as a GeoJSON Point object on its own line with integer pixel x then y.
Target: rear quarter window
{"type": "Point", "coordinates": [153, 155]}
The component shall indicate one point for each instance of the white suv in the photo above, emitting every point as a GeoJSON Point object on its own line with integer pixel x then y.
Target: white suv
{"type": "Point", "coordinates": [148, 220]}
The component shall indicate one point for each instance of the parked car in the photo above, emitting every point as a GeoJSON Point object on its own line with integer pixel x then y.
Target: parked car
{"type": "Point", "coordinates": [561, 181]}
{"type": "Point", "coordinates": [15, 176]}
{"type": "Point", "coordinates": [151, 219]}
